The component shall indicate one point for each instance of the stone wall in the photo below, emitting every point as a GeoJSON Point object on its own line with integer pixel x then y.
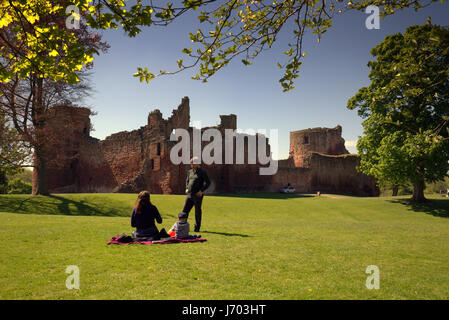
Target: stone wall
{"type": "Point", "coordinates": [338, 174]}
{"type": "Point", "coordinates": [123, 162]}
{"type": "Point", "coordinates": [287, 173]}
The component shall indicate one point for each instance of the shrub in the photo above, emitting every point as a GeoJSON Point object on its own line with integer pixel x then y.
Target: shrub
{"type": "Point", "coordinates": [18, 186]}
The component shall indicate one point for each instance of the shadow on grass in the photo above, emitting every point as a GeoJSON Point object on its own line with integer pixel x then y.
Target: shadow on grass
{"type": "Point", "coordinates": [82, 209]}
{"type": "Point", "coordinates": [58, 205]}
{"type": "Point", "coordinates": [21, 204]}
{"type": "Point", "coordinates": [435, 207]}
{"type": "Point", "coordinates": [261, 195]}
{"type": "Point", "coordinates": [227, 234]}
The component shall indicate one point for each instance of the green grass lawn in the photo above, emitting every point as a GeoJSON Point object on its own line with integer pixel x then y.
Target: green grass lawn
{"type": "Point", "coordinates": [259, 247]}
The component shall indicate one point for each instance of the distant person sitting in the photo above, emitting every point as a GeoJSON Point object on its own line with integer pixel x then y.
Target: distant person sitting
{"type": "Point", "coordinates": [181, 228]}
{"type": "Point", "coordinates": [143, 216]}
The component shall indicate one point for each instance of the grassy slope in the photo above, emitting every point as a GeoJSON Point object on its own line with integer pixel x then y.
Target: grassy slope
{"type": "Point", "coordinates": [259, 247]}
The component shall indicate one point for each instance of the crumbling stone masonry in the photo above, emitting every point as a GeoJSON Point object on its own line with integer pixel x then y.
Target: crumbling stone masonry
{"type": "Point", "coordinates": [140, 159]}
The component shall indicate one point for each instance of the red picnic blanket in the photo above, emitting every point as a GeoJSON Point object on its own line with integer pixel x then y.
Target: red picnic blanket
{"type": "Point", "coordinates": [171, 240]}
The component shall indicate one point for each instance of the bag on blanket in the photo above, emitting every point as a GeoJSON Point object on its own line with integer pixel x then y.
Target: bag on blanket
{"type": "Point", "coordinates": [161, 235]}
{"type": "Point", "coordinates": [125, 238]}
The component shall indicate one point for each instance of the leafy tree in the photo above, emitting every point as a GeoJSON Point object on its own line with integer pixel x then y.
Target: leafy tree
{"type": "Point", "coordinates": [42, 64]}
{"type": "Point", "coordinates": [406, 109]}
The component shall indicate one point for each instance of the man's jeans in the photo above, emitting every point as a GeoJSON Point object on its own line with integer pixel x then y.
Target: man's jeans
{"type": "Point", "coordinates": [194, 200]}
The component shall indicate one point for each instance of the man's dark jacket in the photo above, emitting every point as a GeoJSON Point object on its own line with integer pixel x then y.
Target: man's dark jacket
{"type": "Point", "coordinates": [197, 180]}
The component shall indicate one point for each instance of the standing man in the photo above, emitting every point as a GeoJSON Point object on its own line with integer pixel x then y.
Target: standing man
{"type": "Point", "coordinates": [196, 183]}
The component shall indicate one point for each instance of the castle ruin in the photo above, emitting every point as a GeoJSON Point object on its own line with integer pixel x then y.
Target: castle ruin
{"type": "Point", "coordinates": [140, 159]}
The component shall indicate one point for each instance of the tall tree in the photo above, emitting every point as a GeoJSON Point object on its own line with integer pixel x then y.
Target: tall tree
{"type": "Point", "coordinates": [406, 109]}
{"type": "Point", "coordinates": [42, 64]}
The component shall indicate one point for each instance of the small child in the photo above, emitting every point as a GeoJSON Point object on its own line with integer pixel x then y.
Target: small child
{"type": "Point", "coordinates": [181, 228]}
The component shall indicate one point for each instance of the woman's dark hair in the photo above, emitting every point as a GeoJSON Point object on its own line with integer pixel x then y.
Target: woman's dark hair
{"type": "Point", "coordinates": [143, 201]}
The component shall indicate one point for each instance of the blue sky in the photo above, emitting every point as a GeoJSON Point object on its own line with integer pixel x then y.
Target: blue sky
{"type": "Point", "coordinates": [332, 72]}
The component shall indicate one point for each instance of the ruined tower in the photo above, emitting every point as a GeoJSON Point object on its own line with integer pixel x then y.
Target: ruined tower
{"type": "Point", "coordinates": [228, 121]}
{"type": "Point", "coordinates": [67, 128]}
{"type": "Point", "coordinates": [321, 140]}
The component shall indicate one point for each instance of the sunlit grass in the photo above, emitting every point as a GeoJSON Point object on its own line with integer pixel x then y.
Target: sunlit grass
{"type": "Point", "coordinates": [259, 247]}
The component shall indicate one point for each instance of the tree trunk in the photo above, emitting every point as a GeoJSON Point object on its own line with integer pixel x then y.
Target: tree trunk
{"type": "Point", "coordinates": [39, 119]}
{"type": "Point", "coordinates": [418, 192]}
{"type": "Point", "coordinates": [40, 174]}
{"type": "Point", "coordinates": [395, 191]}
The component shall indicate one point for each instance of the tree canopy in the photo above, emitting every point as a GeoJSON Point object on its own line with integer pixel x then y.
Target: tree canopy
{"type": "Point", "coordinates": [232, 28]}
{"type": "Point", "coordinates": [406, 109]}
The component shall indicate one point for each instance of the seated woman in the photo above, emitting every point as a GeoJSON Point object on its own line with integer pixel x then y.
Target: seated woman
{"type": "Point", "coordinates": [143, 216]}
